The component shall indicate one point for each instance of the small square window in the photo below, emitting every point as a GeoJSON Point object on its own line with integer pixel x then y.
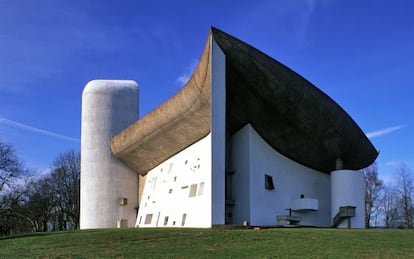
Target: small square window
{"type": "Point", "coordinates": [269, 182]}
{"type": "Point", "coordinates": [148, 219]}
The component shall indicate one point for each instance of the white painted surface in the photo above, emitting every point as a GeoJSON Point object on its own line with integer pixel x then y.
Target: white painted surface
{"type": "Point", "coordinates": [218, 132]}
{"type": "Point", "coordinates": [252, 158]}
{"type": "Point", "coordinates": [108, 107]}
{"type": "Point", "coordinates": [304, 204]}
{"type": "Point", "coordinates": [180, 185]}
{"type": "Point", "coordinates": [348, 189]}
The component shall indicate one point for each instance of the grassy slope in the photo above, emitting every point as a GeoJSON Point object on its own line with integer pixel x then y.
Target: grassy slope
{"type": "Point", "coordinates": [203, 243]}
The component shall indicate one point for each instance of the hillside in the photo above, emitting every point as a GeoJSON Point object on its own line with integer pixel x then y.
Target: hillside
{"type": "Point", "coordinates": [210, 243]}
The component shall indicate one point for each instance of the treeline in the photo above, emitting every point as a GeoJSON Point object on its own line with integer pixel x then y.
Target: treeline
{"type": "Point", "coordinates": [389, 205]}
{"type": "Point", "coordinates": [29, 203]}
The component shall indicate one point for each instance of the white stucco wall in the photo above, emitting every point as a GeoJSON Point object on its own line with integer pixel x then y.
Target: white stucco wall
{"type": "Point", "coordinates": [167, 191]}
{"type": "Point", "coordinates": [218, 132]}
{"type": "Point", "coordinates": [348, 189]}
{"type": "Point", "coordinates": [108, 107]}
{"type": "Point", "coordinates": [252, 158]}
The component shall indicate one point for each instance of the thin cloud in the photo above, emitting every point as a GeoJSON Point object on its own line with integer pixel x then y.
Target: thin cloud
{"type": "Point", "coordinates": [382, 132]}
{"type": "Point", "coordinates": [36, 130]}
{"type": "Point", "coordinates": [184, 77]}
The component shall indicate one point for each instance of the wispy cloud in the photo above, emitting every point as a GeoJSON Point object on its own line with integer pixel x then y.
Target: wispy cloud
{"type": "Point", "coordinates": [393, 163]}
{"type": "Point", "coordinates": [286, 21]}
{"type": "Point", "coordinates": [385, 131]}
{"type": "Point", "coordinates": [183, 78]}
{"type": "Point", "coordinates": [36, 130]}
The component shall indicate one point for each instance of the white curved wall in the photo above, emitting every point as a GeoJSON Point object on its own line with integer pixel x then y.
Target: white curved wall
{"type": "Point", "coordinates": [252, 158]}
{"type": "Point", "coordinates": [108, 107]}
{"type": "Point", "coordinates": [347, 189]}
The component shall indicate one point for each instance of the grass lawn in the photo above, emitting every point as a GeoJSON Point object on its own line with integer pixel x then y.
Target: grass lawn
{"type": "Point", "coordinates": [212, 243]}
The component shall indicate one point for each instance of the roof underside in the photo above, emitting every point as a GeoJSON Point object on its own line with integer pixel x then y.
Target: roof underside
{"type": "Point", "coordinates": [293, 116]}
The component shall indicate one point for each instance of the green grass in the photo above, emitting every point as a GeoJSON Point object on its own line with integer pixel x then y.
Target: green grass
{"type": "Point", "coordinates": [212, 243]}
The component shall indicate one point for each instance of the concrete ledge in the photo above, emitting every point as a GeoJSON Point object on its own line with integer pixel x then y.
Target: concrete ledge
{"type": "Point", "coordinates": [287, 220]}
{"type": "Point", "coordinates": [304, 204]}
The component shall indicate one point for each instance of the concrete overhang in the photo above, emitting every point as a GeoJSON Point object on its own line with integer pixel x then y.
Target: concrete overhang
{"type": "Point", "coordinates": [292, 115]}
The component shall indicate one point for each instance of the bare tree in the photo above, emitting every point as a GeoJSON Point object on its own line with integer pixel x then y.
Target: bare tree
{"type": "Point", "coordinates": [373, 189]}
{"type": "Point", "coordinates": [39, 206]}
{"type": "Point", "coordinates": [390, 207]}
{"type": "Point", "coordinates": [11, 193]}
{"type": "Point", "coordinates": [12, 218]}
{"type": "Point", "coordinates": [10, 166]}
{"type": "Point", "coordinates": [65, 180]}
{"type": "Point", "coordinates": [405, 190]}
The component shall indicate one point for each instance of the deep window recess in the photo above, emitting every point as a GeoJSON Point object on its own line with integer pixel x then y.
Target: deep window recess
{"type": "Point", "coordinates": [183, 219]}
{"type": "Point", "coordinates": [193, 190]}
{"type": "Point", "coordinates": [148, 219]}
{"type": "Point", "coordinates": [201, 189]}
{"type": "Point", "coordinates": [170, 168]}
{"type": "Point", "coordinates": [166, 221]}
{"type": "Point", "coordinates": [269, 182]}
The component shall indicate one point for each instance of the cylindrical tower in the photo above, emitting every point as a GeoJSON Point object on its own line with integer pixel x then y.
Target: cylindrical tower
{"type": "Point", "coordinates": [348, 190]}
{"type": "Point", "coordinates": [109, 189]}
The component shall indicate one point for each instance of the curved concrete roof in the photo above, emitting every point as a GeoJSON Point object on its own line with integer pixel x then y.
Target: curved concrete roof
{"type": "Point", "coordinates": [172, 126]}
{"type": "Point", "coordinates": [292, 115]}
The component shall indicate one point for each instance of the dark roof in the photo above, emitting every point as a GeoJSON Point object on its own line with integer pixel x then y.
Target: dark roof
{"type": "Point", "coordinates": [288, 112]}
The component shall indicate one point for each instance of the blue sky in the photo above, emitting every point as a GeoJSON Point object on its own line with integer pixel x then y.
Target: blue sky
{"type": "Point", "coordinates": [361, 53]}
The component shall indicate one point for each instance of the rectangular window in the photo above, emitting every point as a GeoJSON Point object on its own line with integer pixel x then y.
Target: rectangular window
{"type": "Point", "coordinates": [166, 221]}
{"type": "Point", "coordinates": [148, 219]}
{"type": "Point", "coordinates": [201, 189]}
{"type": "Point", "coordinates": [170, 168]}
{"type": "Point", "coordinates": [269, 182]}
{"type": "Point", "coordinates": [154, 183]}
{"type": "Point", "coordinates": [193, 190]}
{"type": "Point", "coordinates": [183, 219]}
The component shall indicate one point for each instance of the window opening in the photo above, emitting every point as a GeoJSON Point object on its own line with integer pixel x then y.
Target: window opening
{"type": "Point", "coordinates": [183, 219]}
{"type": "Point", "coordinates": [193, 190]}
{"type": "Point", "coordinates": [201, 189]}
{"type": "Point", "coordinates": [170, 168]}
{"type": "Point", "coordinates": [269, 182]}
{"type": "Point", "coordinates": [148, 219]}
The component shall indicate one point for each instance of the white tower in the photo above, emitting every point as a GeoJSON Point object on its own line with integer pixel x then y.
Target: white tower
{"type": "Point", "coordinates": [348, 190]}
{"type": "Point", "coordinates": [109, 189]}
